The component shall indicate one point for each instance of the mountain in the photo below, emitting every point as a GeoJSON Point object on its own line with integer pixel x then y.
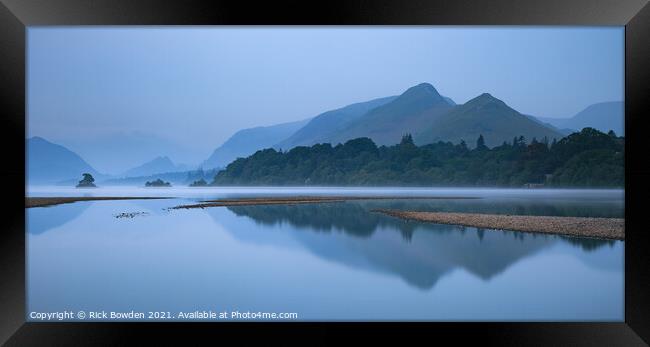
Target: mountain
{"type": "Point", "coordinates": [115, 153]}
{"type": "Point", "coordinates": [417, 108]}
{"type": "Point", "coordinates": [328, 124]}
{"type": "Point", "coordinates": [183, 178]}
{"type": "Point", "coordinates": [484, 115]}
{"type": "Point", "coordinates": [449, 101]}
{"type": "Point", "coordinates": [604, 116]}
{"type": "Point", "coordinates": [247, 141]}
{"type": "Point", "coordinates": [421, 110]}
{"type": "Point", "coordinates": [154, 166]}
{"type": "Point", "coordinates": [542, 121]}
{"type": "Point", "coordinates": [50, 163]}
{"type": "Point", "coordinates": [176, 178]}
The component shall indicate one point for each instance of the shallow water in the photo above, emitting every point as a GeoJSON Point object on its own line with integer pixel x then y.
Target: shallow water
{"type": "Point", "coordinates": [330, 261]}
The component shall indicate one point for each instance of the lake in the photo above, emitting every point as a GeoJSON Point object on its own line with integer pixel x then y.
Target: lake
{"type": "Point", "coordinates": [329, 261]}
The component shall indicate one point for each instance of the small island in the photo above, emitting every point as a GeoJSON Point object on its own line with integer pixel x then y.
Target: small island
{"type": "Point", "coordinates": [157, 183]}
{"type": "Point", "coordinates": [199, 183]}
{"type": "Point", "coordinates": [87, 181]}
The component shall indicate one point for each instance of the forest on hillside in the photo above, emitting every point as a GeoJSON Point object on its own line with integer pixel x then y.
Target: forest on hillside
{"type": "Point", "coordinates": [588, 158]}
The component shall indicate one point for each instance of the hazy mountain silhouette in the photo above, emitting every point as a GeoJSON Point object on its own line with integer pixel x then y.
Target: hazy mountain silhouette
{"type": "Point", "coordinates": [422, 111]}
{"type": "Point", "coordinates": [154, 166]}
{"type": "Point", "coordinates": [604, 116]}
{"type": "Point", "coordinates": [339, 124]}
{"type": "Point", "coordinates": [417, 108]}
{"type": "Point", "coordinates": [50, 163]}
{"type": "Point", "coordinates": [247, 141]}
{"type": "Point", "coordinates": [328, 124]}
{"type": "Point", "coordinates": [543, 122]}
{"type": "Point", "coordinates": [484, 115]}
{"type": "Point", "coordinates": [175, 177]}
{"type": "Point", "coordinates": [114, 154]}
{"type": "Point", "coordinates": [42, 219]}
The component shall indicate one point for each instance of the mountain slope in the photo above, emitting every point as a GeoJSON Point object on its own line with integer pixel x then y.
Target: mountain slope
{"type": "Point", "coordinates": [542, 121]}
{"type": "Point", "coordinates": [49, 163]}
{"type": "Point", "coordinates": [121, 151]}
{"type": "Point", "coordinates": [484, 115]}
{"type": "Point", "coordinates": [416, 108]}
{"type": "Point", "coordinates": [247, 141]}
{"type": "Point", "coordinates": [327, 124]}
{"type": "Point", "coordinates": [604, 116]}
{"type": "Point", "coordinates": [154, 166]}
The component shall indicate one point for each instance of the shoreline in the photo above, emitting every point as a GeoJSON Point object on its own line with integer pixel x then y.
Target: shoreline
{"type": "Point", "coordinates": [52, 201]}
{"type": "Point", "coordinates": [604, 228]}
{"type": "Point", "coordinates": [293, 200]}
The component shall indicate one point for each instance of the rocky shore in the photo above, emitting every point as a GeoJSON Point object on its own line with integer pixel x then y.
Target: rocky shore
{"type": "Point", "coordinates": [606, 228]}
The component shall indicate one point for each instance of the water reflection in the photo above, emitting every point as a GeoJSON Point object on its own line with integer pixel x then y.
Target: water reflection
{"type": "Point", "coordinates": [356, 219]}
{"type": "Point", "coordinates": [326, 261]}
{"type": "Point", "coordinates": [517, 206]}
{"type": "Point", "coordinates": [419, 253]}
{"type": "Point", "coordinates": [350, 218]}
{"type": "Point", "coordinates": [588, 244]}
{"type": "Point", "coordinates": [42, 219]}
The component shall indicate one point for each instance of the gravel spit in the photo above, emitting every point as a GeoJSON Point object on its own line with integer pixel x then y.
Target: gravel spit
{"type": "Point", "coordinates": [606, 228]}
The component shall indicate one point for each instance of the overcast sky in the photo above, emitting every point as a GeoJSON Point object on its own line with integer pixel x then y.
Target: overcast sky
{"type": "Point", "coordinates": [198, 85]}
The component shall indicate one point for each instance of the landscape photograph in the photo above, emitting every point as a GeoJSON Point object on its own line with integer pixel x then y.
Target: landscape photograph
{"type": "Point", "coordinates": [419, 173]}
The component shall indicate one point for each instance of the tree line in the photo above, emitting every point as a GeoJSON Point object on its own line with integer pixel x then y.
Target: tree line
{"type": "Point", "coordinates": [588, 158]}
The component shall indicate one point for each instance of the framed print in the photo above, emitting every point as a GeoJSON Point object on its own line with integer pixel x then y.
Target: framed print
{"type": "Point", "coordinates": [469, 169]}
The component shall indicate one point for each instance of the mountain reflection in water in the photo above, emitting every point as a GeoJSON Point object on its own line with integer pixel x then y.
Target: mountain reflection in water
{"type": "Point", "coordinates": [328, 261]}
{"type": "Point", "coordinates": [420, 253]}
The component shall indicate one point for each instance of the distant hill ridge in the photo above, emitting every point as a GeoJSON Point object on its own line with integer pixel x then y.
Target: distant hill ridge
{"type": "Point", "coordinates": [604, 116]}
{"type": "Point", "coordinates": [420, 110]}
{"type": "Point", "coordinates": [50, 163]}
{"type": "Point", "coordinates": [157, 165]}
{"type": "Point", "coordinates": [340, 124]}
{"type": "Point", "coordinates": [488, 116]}
{"type": "Point", "coordinates": [246, 141]}
{"type": "Point", "coordinates": [414, 109]}
{"type": "Point", "coordinates": [327, 124]}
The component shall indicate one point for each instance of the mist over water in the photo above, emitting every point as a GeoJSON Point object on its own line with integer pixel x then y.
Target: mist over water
{"type": "Point", "coordinates": [329, 261]}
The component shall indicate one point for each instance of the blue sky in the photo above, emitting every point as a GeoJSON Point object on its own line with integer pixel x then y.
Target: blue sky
{"type": "Point", "coordinates": [196, 86]}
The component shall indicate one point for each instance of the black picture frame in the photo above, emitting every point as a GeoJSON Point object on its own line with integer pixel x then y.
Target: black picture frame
{"type": "Point", "coordinates": [16, 15]}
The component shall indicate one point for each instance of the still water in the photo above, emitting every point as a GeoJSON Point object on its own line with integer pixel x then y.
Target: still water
{"type": "Point", "coordinates": [330, 261]}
